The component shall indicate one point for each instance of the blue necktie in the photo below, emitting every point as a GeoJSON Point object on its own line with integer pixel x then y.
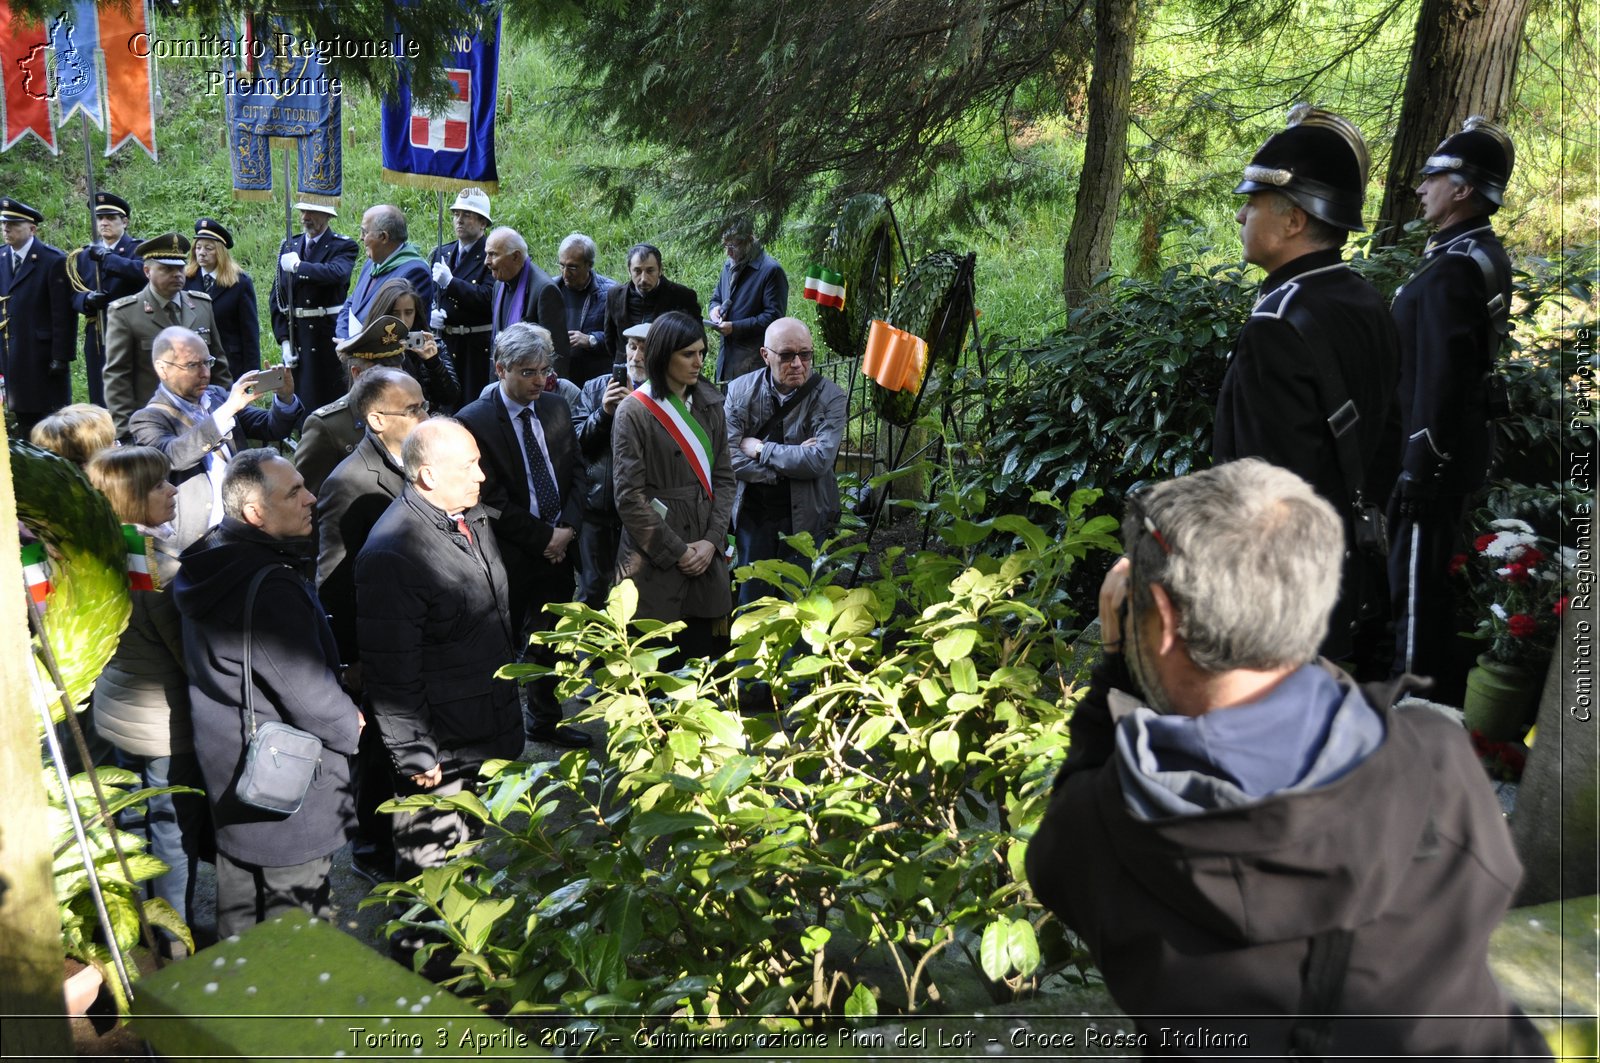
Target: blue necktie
{"type": "Point", "coordinates": [544, 488]}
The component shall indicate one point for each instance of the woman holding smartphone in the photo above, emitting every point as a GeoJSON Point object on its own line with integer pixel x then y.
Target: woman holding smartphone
{"type": "Point", "coordinates": [424, 358]}
{"type": "Point", "coordinates": [675, 486]}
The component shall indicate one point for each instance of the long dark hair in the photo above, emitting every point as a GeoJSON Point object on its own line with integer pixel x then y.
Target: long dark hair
{"type": "Point", "coordinates": [672, 331]}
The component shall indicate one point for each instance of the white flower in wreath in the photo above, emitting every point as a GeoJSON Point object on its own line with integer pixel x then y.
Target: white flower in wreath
{"type": "Point", "coordinates": [1511, 524]}
{"type": "Point", "coordinates": [1569, 558]}
{"type": "Point", "coordinates": [1505, 542]}
{"type": "Point", "coordinates": [1498, 610]}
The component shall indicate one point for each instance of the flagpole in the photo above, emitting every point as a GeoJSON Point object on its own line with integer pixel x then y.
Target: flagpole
{"type": "Point", "coordinates": [88, 174]}
{"type": "Point", "coordinates": [438, 194]}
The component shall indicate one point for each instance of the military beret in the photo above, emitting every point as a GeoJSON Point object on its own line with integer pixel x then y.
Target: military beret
{"type": "Point", "coordinates": [1482, 153]}
{"type": "Point", "coordinates": [170, 249]}
{"type": "Point", "coordinates": [106, 203]}
{"type": "Point", "coordinates": [16, 210]}
{"type": "Point", "coordinates": [212, 229]}
{"type": "Point", "coordinates": [382, 338]}
{"type": "Point", "coordinates": [1319, 161]}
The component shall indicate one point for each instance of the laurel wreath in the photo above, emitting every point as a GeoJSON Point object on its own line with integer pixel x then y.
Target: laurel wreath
{"type": "Point", "coordinates": [924, 299]}
{"type": "Point", "coordinates": [860, 246]}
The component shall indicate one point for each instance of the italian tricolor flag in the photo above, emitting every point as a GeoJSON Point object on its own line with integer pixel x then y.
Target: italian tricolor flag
{"type": "Point", "coordinates": [36, 572]}
{"type": "Point", "coordinates": [824, 287]}
{"type": "Point", "coordinates": [141, 573]}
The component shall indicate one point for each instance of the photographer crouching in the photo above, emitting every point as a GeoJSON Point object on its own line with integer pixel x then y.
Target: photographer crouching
{"type": "Point", "coordinates": [1263, 857]}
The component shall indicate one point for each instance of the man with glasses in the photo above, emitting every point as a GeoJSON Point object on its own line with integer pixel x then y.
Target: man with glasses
{"type": "Point", "coordinates": [584, 292]}
{"type": "Point", "coordinates": [331, 433]}
{"type": "Point", "coordinates": [1259, 853]}
{"type": "Point", "coordinates": [461, 307]}
{"type": "Point", "coordinates": [785, 425]}
{"type": "Point", "coordinates": [134, 321]}
{"type": "Point", "coordinates": [389, 403]}
{"type": "Point", "coordinates": [199, 425]}
{"type": "Point", "coordinates": [751, 294]}
{"type": "Point", "coordinates": [535, 480]}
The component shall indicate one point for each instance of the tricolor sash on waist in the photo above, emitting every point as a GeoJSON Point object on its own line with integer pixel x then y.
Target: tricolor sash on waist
{"type": "Point", "coordinates": [684, 430]}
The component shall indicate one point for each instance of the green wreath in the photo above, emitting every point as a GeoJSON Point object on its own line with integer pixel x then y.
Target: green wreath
{"type": "Point", "coordinates": [89, 604]}
{"type": "Point", "coordinates": [927, 297]}
{"type": "Point", "coordinates": [860, 247]}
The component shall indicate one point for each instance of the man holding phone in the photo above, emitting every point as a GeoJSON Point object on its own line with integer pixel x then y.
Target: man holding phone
{"type": "Point", "coordinates": [199, 425]}
{"type": "Point", "coordinates": [601, 529]}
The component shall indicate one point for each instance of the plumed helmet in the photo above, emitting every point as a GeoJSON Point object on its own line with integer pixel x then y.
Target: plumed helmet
{"type": "Point", "coordinates": [1319, 161]}
{"type": "Point", "coordinates": [1482, 153]}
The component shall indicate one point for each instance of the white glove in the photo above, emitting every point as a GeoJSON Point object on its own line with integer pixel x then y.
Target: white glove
{"type": "Point", "coordinates": [289, 261]}
{"type": "Point", "coordinates": [442, 275]}
{"type": "Point", "coordinates": [436, 319]}
{"type": "Point", "coordinates": [290, 359]}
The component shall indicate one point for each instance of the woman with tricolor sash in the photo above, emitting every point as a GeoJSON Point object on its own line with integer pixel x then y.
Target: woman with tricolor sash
{"type": "Point", "coordinates": [141, 700]}
{"type": "Point", "coordinates": [675, 489]}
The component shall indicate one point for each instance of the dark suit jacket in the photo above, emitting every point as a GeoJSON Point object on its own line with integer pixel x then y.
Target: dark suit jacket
{"type": "Point", "coordinates": [132, 325]}
{"type": "Point", "coordinates": [349, 503]}
{"type": "Point", "coordinates": [41, 329]}
{"type": "Point", "coordinates": [186, 444]}
{"type": "Point", "coordinates": [466, 298]}
{"type": "Point", "coordinates": [118, 274]}
{"type": "Point", "coordinates": [321, 281]}
{"type": "Point", "coordinates": [522, 536]}
{"type": "Point", "coordinates": [542, 305]}
{"type": "Point", "coordinates": [238, 321]}
{"type": "Point", "coordinates": [668, 295]}
{"type": "Point", "coordinates": [432, 620]}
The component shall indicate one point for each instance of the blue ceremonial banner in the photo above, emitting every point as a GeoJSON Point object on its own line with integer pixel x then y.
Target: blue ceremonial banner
{"type": "Point", "coordinates": [451, 146]}
{"type": "Point", "coordinates": [75, 35]}
{"type": "Point", "coordinates": [286, 93]}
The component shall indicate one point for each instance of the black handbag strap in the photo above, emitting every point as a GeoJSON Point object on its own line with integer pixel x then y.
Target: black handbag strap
{"type": "Point", "coordinates": [1335, 397]}
{"type": "Point", "coordinates": [248, 703]}
{"type": "Point", "coordinates": [786, 408]}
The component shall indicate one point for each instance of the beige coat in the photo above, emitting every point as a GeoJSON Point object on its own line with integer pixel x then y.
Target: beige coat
{"type": "Point", "coordinates": [648, 465]}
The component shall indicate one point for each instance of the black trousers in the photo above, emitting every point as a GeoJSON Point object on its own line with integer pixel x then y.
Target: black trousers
{"type": "Point", "coordinates": [1424, 596]}
{"type": "Point", "coordinates": [247, 894]}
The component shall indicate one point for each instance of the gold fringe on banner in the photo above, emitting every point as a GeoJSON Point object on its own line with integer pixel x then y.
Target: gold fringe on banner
{"type": "Point", "coordinates": [253, 195]}
{"type": "Point", "coordinates": [437, 184]}
{"type": "Point", "coordinates": [284, 143]}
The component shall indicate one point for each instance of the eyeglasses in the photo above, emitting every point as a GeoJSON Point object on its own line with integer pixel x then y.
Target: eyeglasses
{"type": "Point", "coordinates": [567, 266]}
{"type": "Point", "coordinates": [192, 367]}
{"type": "Point", "coordinates": [416, 411]}
{"type": "Point", "coordinates": [788, 356]}
{"type": "Point", "coordinates": [1136, 503]}
{"type": "Point", "coordinates": [531, 373]}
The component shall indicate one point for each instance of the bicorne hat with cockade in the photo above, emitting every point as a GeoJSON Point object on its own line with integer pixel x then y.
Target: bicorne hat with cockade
{"type": "Point", "coordinates": [1482, 153]}
{"type": "Point", "coordinates": [1320, 162]}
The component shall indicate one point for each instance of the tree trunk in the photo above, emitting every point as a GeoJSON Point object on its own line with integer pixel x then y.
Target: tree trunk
{"type": "Point", "coordinates": [1094, 218]}
{"type": "Point", "coordinates": [1463, 62]}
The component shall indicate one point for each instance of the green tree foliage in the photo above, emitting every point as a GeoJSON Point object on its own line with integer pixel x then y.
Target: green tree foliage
{"type": "Point", "coordinates": [759, 105]}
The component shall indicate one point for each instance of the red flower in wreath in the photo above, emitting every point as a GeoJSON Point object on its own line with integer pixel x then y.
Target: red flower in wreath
{"type": "Point", "coordinates": [1457, 563]}
{"type": "Point", "coordinates": [1530, 556]}
{"type": "Point", "coordinates": [1560, 606]}
{"type": "Point", "coordinates": [1481, 543]}
{"type": "Point", "coordinates": [1516, 572]}
{"type": "Point", "coordinates": [1522, 625]}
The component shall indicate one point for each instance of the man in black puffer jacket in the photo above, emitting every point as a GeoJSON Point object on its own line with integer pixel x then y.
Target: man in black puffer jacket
{"type": "Point", "coordinates": [266, 863]}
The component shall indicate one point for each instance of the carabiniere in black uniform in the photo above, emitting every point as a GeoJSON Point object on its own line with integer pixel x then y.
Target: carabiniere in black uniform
{"type": "Point", "coordinates": [1312, 374]}
{"type": "Point", "coordinates": [1453, 318]}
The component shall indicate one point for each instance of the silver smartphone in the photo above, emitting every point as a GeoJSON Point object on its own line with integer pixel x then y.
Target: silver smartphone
{"type": "Point", "coordinates": [268, 380]}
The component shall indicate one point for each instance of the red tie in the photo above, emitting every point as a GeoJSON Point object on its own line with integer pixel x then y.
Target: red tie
{"type": "Point", "coordinates": [461, 526]}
